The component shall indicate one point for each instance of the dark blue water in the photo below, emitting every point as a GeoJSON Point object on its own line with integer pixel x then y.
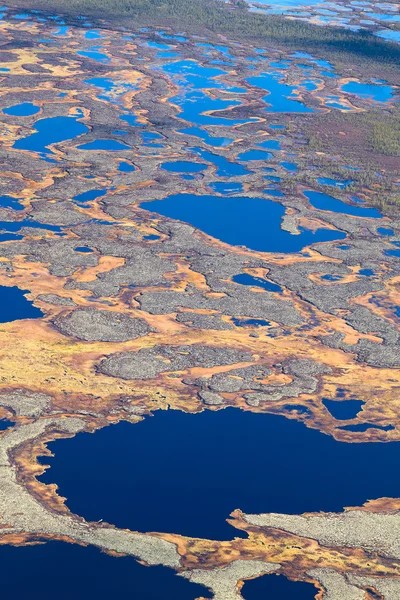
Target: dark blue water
{"type": "Point", "coordinates": [277, 587]}
{"type": "Point", "coordinates": [191, 73]}
{"type": "Point", "coordinates": [220, 187]}
{"type": "Point", "coordinates": [94, 54]}
{"type": "Point", "coordinates": [361, 427]}
{"type": "Point", "coordinates": [322, 201]}
{"type": "Point", "coordinates": [216, 142]}
{"type": "Point", "coordinates": [194, 104]}
{"type": "Point", "coordinates": [255, 155]}
{"type": "Point", "coordinates": [4, 424]}
{"type": "Point", "coordinates": [84, 573]}
{"type": "Point", "coordinates": [366, 272]}
{"type": "Point", "coordinates": [245, 279]}
{"type": "Point", "coordinates": [11, 227]}
{"type": "Point", "coordinates": [385, 231]}
{"type": "Point", "coordinates": [259, 220]}
{"type": "Point", "coordinates": [124, 167]}
{"type": "Point", "coordinates": [280, 97]}
{"type": "Point", "coordinates": [341, 184]}
{"type": "Point", "coordinates": [14, 305]}
{"type": "Point", "coordinates": [225, 168]}
{"type": "Point", "coordinates": [131, 120]}
{"type": "Point", "coordinates": [25, 109]}
{"type": "Point", "coordinates": [343, 410]}
{"type": "Point", "coordinates": [330, 277]}
{"type": "Point", "coordinates": [105, 145]}
{"type": "Point", "coordinates": [83, 249]}
{"type": "Point", "coordinates": [270, 145]}
{"type": "Point", "coordinates": [163, 474]}
{"type": "Point", "coordinates": [51, 130]}
{"type": "Point", "coordinates": [246, 322]}
{"type": "Point", "coordinates": [289, 166]}
{"type": "Point", "coordinates": [89, 195]}
{"type": "Point", "coordinates": [10, 202]}
{"type": "Point", "coordinates": [395, 253]}
{"type": "Point", "coordinates": [183, 166]}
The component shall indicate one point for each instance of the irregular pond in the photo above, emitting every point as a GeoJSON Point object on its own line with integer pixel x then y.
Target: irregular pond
{"type": "Point", "coordinates": [343, 410]}
{"type": "Point", "coordinates": [277, 587]}
{"type": "Point", "coordinates": [15, 306]}
{"type": "Point", "coordinates": [104, 145]}
{"type": "Point", "coordinates": [81, 570]}
{"type": "Point", "coordinates": [10, 202]}
{"type": "Point", "coordinates": [165, 474]}
{"type": "Point", "coordinates": [238, 220]}
{"type": "Point", "coordinates": [280, 96]}
{"type": "Point", "coordinates": [246, 279]}
{"type": "Point", "coordinates": [51, 130]}
{"type": "Point", "coordinates": [322, 201]}
{"type": "Point", "coordinates": [379, 93]}
{"type": "Point", "coordinates": [216, 142]}
{"type": "Point", "coordinates": [193, 105]}
{"type": "Point", "coordinates": [225, 167]}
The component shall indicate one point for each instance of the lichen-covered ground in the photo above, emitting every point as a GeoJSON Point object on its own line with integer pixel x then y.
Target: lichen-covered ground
{"type": "Point", "coordinates": [144, 313]}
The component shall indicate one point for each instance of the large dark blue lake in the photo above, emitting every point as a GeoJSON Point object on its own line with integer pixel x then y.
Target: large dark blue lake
{"type": "Point", "coordinates": [185, 473]}
{"type": "Point", "coordinates": [67, 571]}
{"type": "Point", "coordinates": [277, 587]}
{"type": "Point", "coordinates": [14, 305]}
{"type": "Point", "coordinates": [239, 220]}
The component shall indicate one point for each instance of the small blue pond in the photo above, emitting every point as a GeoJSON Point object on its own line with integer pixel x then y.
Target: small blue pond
{"type": "Point", "coordinates": [225, 168]}
{"type": "Point", "coordinates": [251, 222]}
{"type": "Point", "coordinates": [379, 93]}
{"type": "Point", "coordinates": [15, 306]}
{"type": "Point", "coordinates": [277, 587]}
{"type": "Point", "coordinates": [322, 201]}
{"type": "Point", "coordinates": [94, 54]}
{"type": "Point", "coordinates": [343, 410]}
{"type": "Point", "coordinates": [183, 166]}
{"type": "Point", "coordinates": [255, 155]}
{"type": "Point", "coordinates": [246, 322]}
{"type": "Point", "coordinates": [83, 249]}
{"type": "Point", "coordinates": [104, 145]}
{"type": "Point", "coordinates": [220, 187]}
{"type": "Point", "coordinates": [25, 109]}
{"type": "Point", "coordinates": [385, 231]}
{"type": "Point", "coordinates": [89, 195]}
{"type": "Point", "coordinates": [87, 573]}
{"type": "Point", "coordinates": [125, 167]}
{"type": "Point", "coordinates": [49, 131]}
{"type": "Point", "coordinates": [245, 279]}
{"type": "Point", "coordinates": [270, 145]}
{"type": "Point", "coordinates": [216, 142]}
{"type": "Point", "coordinates": [183, 482]}
{"type": "Point", "coordinates": [334, 182]}
{"type": "Point", "coordinates": [131, 120]}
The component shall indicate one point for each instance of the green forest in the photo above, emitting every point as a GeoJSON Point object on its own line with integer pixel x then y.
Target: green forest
{"type": "Point", "coordinates": [234, 19]}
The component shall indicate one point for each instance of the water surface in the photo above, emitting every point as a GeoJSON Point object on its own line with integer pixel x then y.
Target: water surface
{"type": "Point", "coordinates": [84, 573]}
{"type": "Point", "coordinates": [322, 201]}
{"type": "Point", "coordinates": [161, 475]}
{"type": "Point", "coordinates": [15, 306]}
{"type": "Point", "coordinates": [239, 220]}
{"type": "Point", "coordinates": [277, 587]}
